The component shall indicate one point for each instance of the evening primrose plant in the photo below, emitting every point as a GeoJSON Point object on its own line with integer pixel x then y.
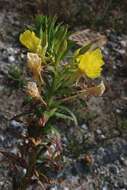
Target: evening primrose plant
{"type": "Point", "coordinates": [59, 76]}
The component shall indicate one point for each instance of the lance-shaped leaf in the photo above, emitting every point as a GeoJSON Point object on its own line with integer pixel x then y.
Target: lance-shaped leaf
{"type": "Point", "coordinates": [71, 116]}
{"type": "Point", "coordinates": [46, 116]}
{"type": "Point", "coordinates": [53, 36]}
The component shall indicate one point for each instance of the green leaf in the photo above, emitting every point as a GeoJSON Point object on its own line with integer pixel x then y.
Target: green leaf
{"type": "Point", "coordinates": [63, 116]}
{"type": "Point", "coordinates": [85, 48]}
{"type": "Point", "coordinates": [27, 100]}
{"type": "Point", "coordinates": [53, 37]}
{"type": "Point", "coordinates": [67, 110]}
{"type": "Point", "coordinates": [50, 113]}
{"type": "Point", "coordinates": [62, 50]}
{"type": "Point", "coordinates": [39, 111]}
{"type": "Point", "coordinates": [50, 129]}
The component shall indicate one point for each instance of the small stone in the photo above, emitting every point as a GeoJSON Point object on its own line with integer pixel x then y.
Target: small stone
{"type": "Point", "coordinates": [121, 171]}
{"type": "Point", "coordinates": [101, 150]}
{"type": "Point", "coordinates": [2, 138]}
{"type": "Point", "coordinates": [1, 88]}
{"type": "Point", "coordinates": [1, 183]}
{"type": "Point", "coordinates": [102, 137]}
{"type": "Point", "coordinates": [106, 52]}
{"type": "Point", "coordinates": [10, 50]}
{"type": "Point", "coordinates": [14, 150]}
{"type": "Point", "coordinates": [24, 171]}
{"type": "Point", "coordinates": [64, 140]}
{"type": "Point", "coordinates": [118, 111]}
{"type": "Point", "coordinates": [18, 127]}
{"type": "Point", "coordinates": [65, 188]}
{"type": "Point", "coordinates": [26, 141]}
{"type": "Point", "coordinates": [116, 185]}
{"type": "Point", "coordinates": [121, 184]}
{"type": "Point", "coordinates": [79, 137]}
{"type": "Point", "coordinates": [114, 169]}
{"type": "Point", "coordinates": [11, 59]}
{"type": "Point", "coordinates": [22, 55]}
{"type": "Point", "coordinates": [17, 50]}
{"type": "Point", "coordinates": [105, 187]}
{"type": "Point", "coordinates": [102, 172]}
{"type": "Point", "coordinates": [98, 131]}
{"type": "Point", "coordinates": [9, 142]}
{"type": "Point", "coordinates": [110, 45]}
{"type": "Point", "coordinates": [123, 43]}
{"type": "Point", "coordinates": [123, 161]}
{"type": "Point", "coordinates": [84, 126]}
{"type": "Point", "coordinates": [114, 67]}
{"type": "Point", "coordinates": [54, 188]}
{"type": "Point", "coordinates": [52, 148]}
{"type": "Point", "coordinates": [108, 78]}
{"type": "Point", "coordinates": [122, 51]}
{"type": "Point", "coordinates": [115, 132]}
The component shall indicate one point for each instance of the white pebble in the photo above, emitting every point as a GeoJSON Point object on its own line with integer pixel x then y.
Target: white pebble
{"type": "Point", "coordinates": [66, 188]}
{"type": "Point", "coordinates": [123, 43]}
{"type": "Point", "coordinates": [99, 132]}
{"type": "Point", "coordinates": [11, 58]}
{"type": "Point", "coordinates": [84, 126]}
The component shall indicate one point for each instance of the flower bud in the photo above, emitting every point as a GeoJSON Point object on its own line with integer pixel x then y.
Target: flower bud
{"type": "Point", "coordinates": [34, 64]}
{"type": "Point", "coordinates": [32, 90]}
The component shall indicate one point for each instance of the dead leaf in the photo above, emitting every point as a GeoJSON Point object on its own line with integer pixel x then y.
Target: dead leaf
{"type": "Point", "coordinates": [96, 90]}
{"type": "Point", "coordinates": [88, 36]}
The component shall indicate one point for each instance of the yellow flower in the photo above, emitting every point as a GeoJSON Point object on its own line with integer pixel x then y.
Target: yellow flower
{"type": "Point", "coordinates": [30, 40]}
{"type": "Point", "coordinates": [34, 64]}
{"type": "Point", "coordinates": [91, 63]}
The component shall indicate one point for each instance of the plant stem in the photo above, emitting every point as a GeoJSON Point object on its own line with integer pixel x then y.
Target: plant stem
{"type": "Point", "coordinates": [30, 170]}
{"type": "Point", "coordinates": [73, 96]}
{"type": "Point", "coordinates": [20, 115]}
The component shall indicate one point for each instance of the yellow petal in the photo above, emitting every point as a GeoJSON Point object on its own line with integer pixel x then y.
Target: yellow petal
{"type": "Point", "coordinates": [30, 40]}
{"type": "Point", "coordinates": [91, 63]}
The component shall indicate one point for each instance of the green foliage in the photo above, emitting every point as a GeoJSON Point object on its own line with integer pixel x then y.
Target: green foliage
{"type": "Point", "coordinates": [55, 85]}
{"type": "Point", "coordinates": [58, 79]}
{"type": "Point", "coordinates": [54, 37]}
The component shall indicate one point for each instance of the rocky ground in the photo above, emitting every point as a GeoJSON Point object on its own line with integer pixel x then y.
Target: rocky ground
{"type": "Point", "coordinates": [102, 136]}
